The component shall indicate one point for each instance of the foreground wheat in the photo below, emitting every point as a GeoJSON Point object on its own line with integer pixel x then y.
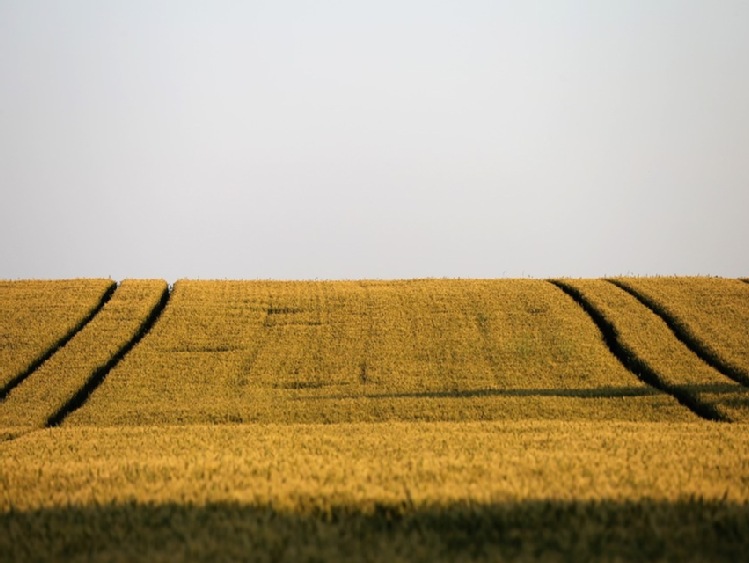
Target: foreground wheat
{"type": "Point", "coordinates": [385, 492]}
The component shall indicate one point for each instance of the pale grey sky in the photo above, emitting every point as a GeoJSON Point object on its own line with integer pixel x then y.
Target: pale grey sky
{"type": "Point", "coordinates": [388, 139]}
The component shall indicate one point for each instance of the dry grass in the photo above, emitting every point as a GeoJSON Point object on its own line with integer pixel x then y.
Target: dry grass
{"type": "Point", "coordinates": [711, 313]}
{"type": "Point", "coordinates": [368, 351]}
{"type": "Point", "coordinates": [45, 392]}
{"type": "Point", "coordinates": [646, 336]}
{"type": "Point", "coordinates": [36, 315]}
{"type": "Point", "coordinates": [391, 491]}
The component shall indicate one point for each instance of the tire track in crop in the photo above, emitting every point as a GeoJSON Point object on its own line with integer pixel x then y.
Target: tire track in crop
{"type": "Point", "coordinates": [98, 376]}
{"type": "Point", "coordinates": [629, 358]}
{"type": "Point", "coordinates": [52, 350]}
{"type": "Point", "coordinates": [683, 334]}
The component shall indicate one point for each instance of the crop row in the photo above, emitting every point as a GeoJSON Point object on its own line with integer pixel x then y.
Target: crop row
{"type": "Point", "coordinates": [38, 317]}
{"type": "Point", "coordinates": [711, 314]}
{"type": "Point", "coordinates": [659, 357]}
{"type": "Point", "coordinates": [45, 396]}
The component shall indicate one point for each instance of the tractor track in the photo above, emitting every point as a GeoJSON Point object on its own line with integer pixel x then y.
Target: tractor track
{"type": "Point", "coordinates": [98, 375]}
{"type": "Point", "coordinates": [630, 360]}
{"type": "Point", "coordinates": [52, 350]}
{"type": "Point", "coordinates": [686, 336]}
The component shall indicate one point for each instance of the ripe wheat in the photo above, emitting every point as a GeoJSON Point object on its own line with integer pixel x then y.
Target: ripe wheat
{"type": "Point", "coordinates": [366, 351]}
{"type": "Point", "coordinates": [711, 313]}
{"type": "Point", "coordinates": [45, 392]}
{"type": "Point", "coordinates": [35, 316]}
{"type": "Point", "coordinates": [646, 336]}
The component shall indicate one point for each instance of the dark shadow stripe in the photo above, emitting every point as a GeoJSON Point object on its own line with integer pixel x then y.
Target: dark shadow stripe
{"type": "Point", "coordinates": [47, 354]}
{"type": "Point", "coordinates": [634, 363]}
{"type": "Point", "coordinates": [99, 374]}
{"type": "Point", "coordinates": [633, 530]}
{"type": "Point", "coordinates": [582, 393]}
{"type": "Point", "coordinates": [578, 393]}
{"type": "Point", "coordinates": [686, 337]}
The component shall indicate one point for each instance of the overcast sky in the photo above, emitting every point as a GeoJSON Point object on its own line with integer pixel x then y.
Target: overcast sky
{"type": "Point", "coordinates": [388, 139]}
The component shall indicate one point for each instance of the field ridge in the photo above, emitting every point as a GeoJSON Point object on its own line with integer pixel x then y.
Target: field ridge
{"type": "Point", "coordinates": [633, 362]}
{"type": "Point", "coordinates": [683, 333]}
{"type": "Point", "coordinates": [97, 377]}
{"type": "Point", "coordinates": [56, 346]}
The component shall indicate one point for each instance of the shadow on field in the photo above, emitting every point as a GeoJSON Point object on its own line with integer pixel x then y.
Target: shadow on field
{"type": "Point", "coordinates": [558, 530]}
{"type": "Point", "coordinates": [583, 393]}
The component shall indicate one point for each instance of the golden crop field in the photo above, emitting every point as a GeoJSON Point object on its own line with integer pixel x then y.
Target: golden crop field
{"type": "Point", "coordinates": [646, 338]}
{"type": "Point", "coordinates": [711, 313]}
{"type": "Point", "coordinates": [408, 420]}
{"type": "Point", "coordinates": [37, 316]}
{"type": "Point", "coordinates": [47, 391]}
{"type": "Point", "coordinates": [368, 351]}
{"type": "Point", "coordinates": [397, 491]}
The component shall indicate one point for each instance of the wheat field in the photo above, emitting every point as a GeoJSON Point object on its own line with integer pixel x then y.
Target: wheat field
{"type": "Point", "coordinates": [368, 420]}
{"type": "Point", "coordinates": [41, 396]}
{"type": "Point", "coordinates": [371, 351]}
{"type": "Point", "coordinates": [710, 313]}
{"type": "Point", "coordinates": [38, 316]}
{"type": "Point", "coordinates": [672, 365]}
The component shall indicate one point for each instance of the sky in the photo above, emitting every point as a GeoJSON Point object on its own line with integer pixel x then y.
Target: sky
{"type": "Point", "coordinates": [391, 139]}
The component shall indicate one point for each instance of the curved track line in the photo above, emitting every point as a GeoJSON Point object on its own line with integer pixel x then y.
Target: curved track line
{"type": "Point", "coordinates": [633, 362]}
{"type": "Point", "coordinates": [49, 352]}
{"type": "Point", "coordinates": [686, 337]}
{"type": "Point", "coordinates": [97, 377]}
